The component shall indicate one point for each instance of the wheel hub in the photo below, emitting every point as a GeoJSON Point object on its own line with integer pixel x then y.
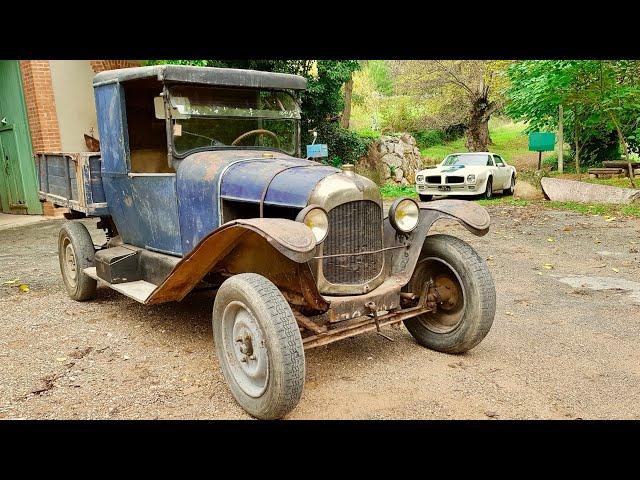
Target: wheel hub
{"type": "Point", "coordinates": [446, 294]}
{"type": "Point", "coordinates": [247, 354]}
{"type": "Point", "coordinates": [70, 263]}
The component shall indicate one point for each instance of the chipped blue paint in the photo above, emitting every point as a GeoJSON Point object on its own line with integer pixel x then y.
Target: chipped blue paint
{"type": "Point", "coordinates": [240, 175]}
{"type": "Point", "coordinates": [144, 208]}
{"type": "Point", "coordinates": [112, 126]}
{"type": "Point", "coordinates": [291, 188]}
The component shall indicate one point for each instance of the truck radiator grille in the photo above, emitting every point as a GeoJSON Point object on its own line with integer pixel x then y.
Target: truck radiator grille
{"type": "Point", "coordinates": [353, 227]}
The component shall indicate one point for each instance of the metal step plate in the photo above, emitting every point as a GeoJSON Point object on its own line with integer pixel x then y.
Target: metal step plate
{"type": "Point", "coordinates": [138, 290]}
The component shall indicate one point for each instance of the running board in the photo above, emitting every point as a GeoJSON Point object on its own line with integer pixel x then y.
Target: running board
{"type": "Point", "coordinates": [138, 290]}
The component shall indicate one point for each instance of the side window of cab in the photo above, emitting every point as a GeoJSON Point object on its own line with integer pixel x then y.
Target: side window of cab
{"type": "Point", "coordinates": [499, 161]}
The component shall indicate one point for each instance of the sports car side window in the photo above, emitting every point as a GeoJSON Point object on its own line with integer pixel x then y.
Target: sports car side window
{"type": "Point", "coordinates": [499, 161]}
{"type": "Point", "coordinates": [489, 162]}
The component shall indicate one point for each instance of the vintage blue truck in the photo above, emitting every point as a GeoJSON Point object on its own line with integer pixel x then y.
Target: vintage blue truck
{"type": "Point", "coordinates": [199, 183]}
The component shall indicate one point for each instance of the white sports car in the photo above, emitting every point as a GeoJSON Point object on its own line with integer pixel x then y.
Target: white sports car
{"type": "Point", "coordinates": [477, 173]}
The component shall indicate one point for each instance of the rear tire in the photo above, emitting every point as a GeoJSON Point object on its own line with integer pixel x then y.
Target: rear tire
{"type": "Point", "coordinates": [426, 198]}
{"type": "Point", "coordinates": [465, 318]}
{"type": "Point", "coordinates": [259, 347]}
{"type": "Point", "coordinates": [75, 253]}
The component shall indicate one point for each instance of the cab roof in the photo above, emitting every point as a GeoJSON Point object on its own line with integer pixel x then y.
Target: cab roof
{"type": "Point", "coordinates": [225, 77]}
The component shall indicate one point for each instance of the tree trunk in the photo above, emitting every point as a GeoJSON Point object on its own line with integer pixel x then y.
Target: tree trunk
{"type": "Point", "coordinates": [625, 149]}
{"type": "Point", "coordinates": [577, 141]}
{"type": "Point", "coordinates": [477, 132]}
{"type": "Point", "coordinates": [346, 112]}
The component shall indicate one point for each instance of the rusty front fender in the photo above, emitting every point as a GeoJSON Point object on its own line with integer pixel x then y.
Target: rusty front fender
{"type": "Point", "coordinates": [275, 248]}
{"type": "Point", "coordinates": [401, 262]}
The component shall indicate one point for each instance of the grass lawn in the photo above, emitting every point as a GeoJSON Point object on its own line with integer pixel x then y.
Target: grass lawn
{"type": "Point", "coordinates": [607, 210]}
{"type": "Point", "coordinates": [509, 141]}
{"type": "Point", "coordinates": [623, 182]}
{"type": "Point", "coordinates": [390, 192]}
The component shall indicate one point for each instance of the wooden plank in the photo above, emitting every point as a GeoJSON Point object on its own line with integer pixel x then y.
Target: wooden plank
{"type": "Point", "coordinates": [619, 164]}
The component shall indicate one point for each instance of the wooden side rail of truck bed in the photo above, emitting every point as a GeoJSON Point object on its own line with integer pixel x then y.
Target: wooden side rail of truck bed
{"type": "Point", "coordinates": [72, 180]}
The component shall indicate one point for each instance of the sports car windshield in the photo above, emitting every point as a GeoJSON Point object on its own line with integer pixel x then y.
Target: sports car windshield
{"type": "Point", "coordinates": [206, 117]}
{"type": "Point", "coordinates": [467, 159]}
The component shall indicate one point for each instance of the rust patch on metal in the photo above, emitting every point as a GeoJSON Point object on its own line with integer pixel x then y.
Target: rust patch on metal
{"type": "Point", "coordinates": [274, 248]}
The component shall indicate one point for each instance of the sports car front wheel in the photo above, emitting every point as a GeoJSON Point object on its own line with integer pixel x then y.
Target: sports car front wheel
{"type": "Point", "coordinates": [488, 193]}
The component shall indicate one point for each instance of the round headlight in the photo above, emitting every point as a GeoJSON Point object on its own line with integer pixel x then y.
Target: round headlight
{"type": "Point", "coordinates": [404, 214]}
{"type": "Point", "coordinates": [420, 178]}
{"type": "Point", "coordinates": [471, 178]}
{"type": "Point", "coordinates": [316, 219]}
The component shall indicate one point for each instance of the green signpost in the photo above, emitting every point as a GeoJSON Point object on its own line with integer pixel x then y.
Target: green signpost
{"type": "Point", "coordinates": [541, 142]}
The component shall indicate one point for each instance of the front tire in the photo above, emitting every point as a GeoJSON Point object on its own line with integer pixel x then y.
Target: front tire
{"type": "Point", "coordinates": [75, 253]}
{"type": "Point", "coordinates": [258, 345]}
{"type": "Point", "coordinates": [488, 193]}
{"type": "Point", "coordinates": [464, 282]}
{"type": "Point", "coordinates": [512, 186]}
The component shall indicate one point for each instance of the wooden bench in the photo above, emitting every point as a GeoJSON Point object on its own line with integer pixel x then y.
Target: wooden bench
{"type": "Point", "coordinates": [607, 172]}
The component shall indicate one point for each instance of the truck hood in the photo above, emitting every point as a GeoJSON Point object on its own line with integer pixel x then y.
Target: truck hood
{"type": "Point", "coordinates": [204, 178]}
{"type": "Point", "coordinates": [282, 180]}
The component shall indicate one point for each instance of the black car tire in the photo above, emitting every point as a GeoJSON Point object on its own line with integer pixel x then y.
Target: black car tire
{"type": "Point", "coordinates": [75, 253]}
{"type": "Point", "coordinates": [251, 304]}
{"type": "Point", "coordinates": [462, 325]}
{"type": "Point", "coordinates": [488, 193]}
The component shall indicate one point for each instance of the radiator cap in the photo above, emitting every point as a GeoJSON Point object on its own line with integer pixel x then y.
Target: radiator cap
{"type": "Point", "coordinates": [349, 168]}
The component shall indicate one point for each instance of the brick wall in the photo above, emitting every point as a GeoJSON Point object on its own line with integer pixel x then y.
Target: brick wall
{"type": "Point", "coordinates": [102, 65]}
{"type": "Point", "coordinates": [41, 106]}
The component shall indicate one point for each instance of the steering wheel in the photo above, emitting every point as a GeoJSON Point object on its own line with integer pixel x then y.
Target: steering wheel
{"type": "Point", "coordinates": [259, 131]}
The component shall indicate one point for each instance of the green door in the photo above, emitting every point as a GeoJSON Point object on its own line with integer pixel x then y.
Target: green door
{"type": "Point", "coordinates": [18, 181]}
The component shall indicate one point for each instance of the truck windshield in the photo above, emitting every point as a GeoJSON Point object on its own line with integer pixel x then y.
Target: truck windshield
{"type": "Point", "coordinates": [218, 117]}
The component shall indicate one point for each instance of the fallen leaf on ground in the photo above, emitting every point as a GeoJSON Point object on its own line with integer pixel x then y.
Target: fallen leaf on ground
{"type": "Point", "coordinates": [11, 282]}
{"type": "Point", "coordinates": [550, 239]}
{"type": "Point", "coordinates": [509, 313]}
{"type": "Point", "coordinates": [609, 219]}
{"type": "Point", "coordinates": [548, 266]}
{"type": "Point", "coordinates": [615, 270]}
{"type": "Point", "coordinates": [24, 288]}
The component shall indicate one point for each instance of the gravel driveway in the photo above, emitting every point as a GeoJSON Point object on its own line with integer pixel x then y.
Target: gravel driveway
{"type": "Point", "coordinates": [565, 342]}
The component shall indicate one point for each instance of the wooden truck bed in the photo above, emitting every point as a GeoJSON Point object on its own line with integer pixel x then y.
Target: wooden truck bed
{"type": "Point", "coordinates": [72, 180]}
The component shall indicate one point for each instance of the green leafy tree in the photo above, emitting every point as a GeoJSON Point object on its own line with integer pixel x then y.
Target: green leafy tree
{"type": "Point", "coordinates": [600, 100]}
